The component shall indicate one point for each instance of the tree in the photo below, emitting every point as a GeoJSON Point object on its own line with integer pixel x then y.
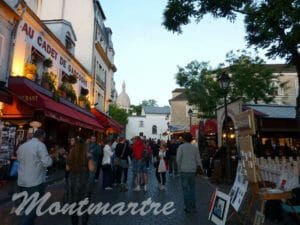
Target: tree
{"type": "Point", "coordinates": [273, 25]}
{"type": "Point", "coordinates": [150, 102]}
{"type": "Point", "coordinates": [250, 79]}
{"type": "Point", "coordinates": [118, 114]}
{"type": "Point", "coordinates": [135, 109]}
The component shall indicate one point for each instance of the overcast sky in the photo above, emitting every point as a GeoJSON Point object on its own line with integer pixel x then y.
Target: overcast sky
{"type": "Point", "coordinates": [147, 55]}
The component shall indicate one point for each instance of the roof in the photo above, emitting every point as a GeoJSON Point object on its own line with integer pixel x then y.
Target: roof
{"type": "Point", "coordinates": [282, 68]}
{"type": "Point", "coordinates": [274, 111]}
{"type": "Point", "coordinates": [178, 90]}
{"type": "Point", "coordinates": [156, 110]}
{"type": "Point", "coordinates": [180, 97]}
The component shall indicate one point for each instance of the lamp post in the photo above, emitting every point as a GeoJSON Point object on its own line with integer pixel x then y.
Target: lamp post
{"type": "Point", "coordinates": [190, 112]}
{"type": "Point", "coordinates": [168, 124]}
{"type": "Point", "coordinates": [224, 81]}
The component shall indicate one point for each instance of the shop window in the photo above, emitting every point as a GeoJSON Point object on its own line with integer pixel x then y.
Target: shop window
{"type": "Point", "coordinates": [154, 129]}
{"type": "Point", "coordinates": [37, 58]}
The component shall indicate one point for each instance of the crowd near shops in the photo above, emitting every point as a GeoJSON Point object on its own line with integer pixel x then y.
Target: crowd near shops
{"type": "Point", "coordinates": [87, 162]}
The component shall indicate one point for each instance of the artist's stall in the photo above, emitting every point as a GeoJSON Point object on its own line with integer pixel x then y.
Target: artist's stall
{"type": "Point", "coordinates": [257, 179]}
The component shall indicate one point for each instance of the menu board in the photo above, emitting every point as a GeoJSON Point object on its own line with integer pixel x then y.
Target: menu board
{"type": "Point", "coordinates": [7, 143]}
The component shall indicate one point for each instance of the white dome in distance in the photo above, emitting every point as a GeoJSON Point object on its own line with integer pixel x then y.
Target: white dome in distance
{"type": "Point", "coordinates": [123, 99]}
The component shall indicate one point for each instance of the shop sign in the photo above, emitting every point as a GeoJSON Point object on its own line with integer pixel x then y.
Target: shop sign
{"type": "Point", "coordinates": [37, 40]}
{"type": "Point", "coordinates": [30, 98]}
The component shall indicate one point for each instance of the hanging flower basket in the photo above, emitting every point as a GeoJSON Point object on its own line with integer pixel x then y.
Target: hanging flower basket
{"type": "Point", "coordinates": [72, 79]}
{"type": "Point", "coordinates": [48, 63]}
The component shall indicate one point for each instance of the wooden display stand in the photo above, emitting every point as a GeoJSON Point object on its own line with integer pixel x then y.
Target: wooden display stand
{"type": "Point", "coordinates": [246, 128]}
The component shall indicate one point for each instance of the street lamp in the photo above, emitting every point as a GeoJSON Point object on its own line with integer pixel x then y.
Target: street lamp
{"type": "Point", "coordinates": [224, 81]}
{"type": "Point", "coordinates": [190, 112]}
{"type": "Point", "coordinates": [168, 124]}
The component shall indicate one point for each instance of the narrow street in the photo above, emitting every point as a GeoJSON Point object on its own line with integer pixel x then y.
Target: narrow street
{"type": "Point", "coordinates": [172, 194]}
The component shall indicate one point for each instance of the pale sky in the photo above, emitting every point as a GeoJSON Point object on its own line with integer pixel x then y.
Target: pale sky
{"type": "Point", "coordinates": [147, 55]}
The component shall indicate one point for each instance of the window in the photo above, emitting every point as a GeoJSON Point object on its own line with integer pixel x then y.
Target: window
{"type": "Point", "coordinates": [69, 42]}
{"type": "Point", "coordinates": [154, 129]}
{"type": "Point", "coordinates": [141, 123]}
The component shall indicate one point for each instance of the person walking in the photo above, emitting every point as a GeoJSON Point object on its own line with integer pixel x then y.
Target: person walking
{"type": "Point", "coordinates": [106, 166]}
{"type": "Point", "coordinates": [33, 160]}
{"type": "Point", "coordinates": [96, 153]}
{"type": "Point", "coordinates": [138, 163]}
{"type": "Point", "coordinates": [188, 161]}
{"type": "Point", "coordinates": [172, 151]}
{"type": "Point", "coordinates": [161, 166]}
{"type": "Point", "coordinates": [79, 166]}
{"type": "Point", "coordinates": [122, 153]}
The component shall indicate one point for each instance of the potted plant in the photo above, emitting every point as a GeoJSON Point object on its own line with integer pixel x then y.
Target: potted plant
{"type": "Point", "coordinates": [62, 89]}
{"type": "Point", "coordinates": [30, 71]}
{"type": "Point", "coordinates": [49, 80]}
{"type": "Point", "coordinates": [71, 95]}
{"type": "Point", "coordinates": [81, 101]}
{"type": "Point", "coordinates": [72, 79]}
{"type": "Point", "coordinates": [84, 102]}
{"type": "Point", "coordinates": [48, 63]}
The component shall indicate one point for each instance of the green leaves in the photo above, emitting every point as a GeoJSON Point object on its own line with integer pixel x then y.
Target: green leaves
{"type": "Point", "coordinates": [118, 114]}
{"type": "Point", "coordinates": [250, 79]}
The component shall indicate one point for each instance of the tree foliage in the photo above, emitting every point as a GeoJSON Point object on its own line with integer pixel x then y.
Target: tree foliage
{"type": "Point", "coordinates": [150, 102]}
{"type": "Point", "coordinates": [137, 109]}
{"type": "Point", "coordinates": [273, 25]}
{"type": "Point", "coordinates": [118, 114]}
{"type": "Point", "coordinates": [250, 79]}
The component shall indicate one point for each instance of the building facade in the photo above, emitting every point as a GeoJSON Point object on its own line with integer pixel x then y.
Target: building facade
{"type": "Point", "coordinates": [179, 117]}
{"type": "Point", "coordinates": [9, 20]}
{"type": "Point", "coordinates": [94, 47]}
{"type": "Point", "coordinates": [153, 123]}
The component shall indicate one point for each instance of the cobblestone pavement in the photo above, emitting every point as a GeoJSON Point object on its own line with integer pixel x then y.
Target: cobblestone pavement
{"type": "Point", "coordinates": [172, 194]}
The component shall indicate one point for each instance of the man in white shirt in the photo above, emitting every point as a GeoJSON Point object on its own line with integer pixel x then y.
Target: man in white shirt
{"type": "Point", "coordinates": [34, 160]}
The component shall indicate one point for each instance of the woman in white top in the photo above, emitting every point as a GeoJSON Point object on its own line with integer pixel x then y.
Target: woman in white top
{"type": "Point", "coordinates": [106, 167]}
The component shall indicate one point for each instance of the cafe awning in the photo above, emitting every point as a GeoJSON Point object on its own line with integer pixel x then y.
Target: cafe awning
{"type": "Point", "coordinates": [109, 124]}
{"type": "Point", "coordinates": [40, 99]}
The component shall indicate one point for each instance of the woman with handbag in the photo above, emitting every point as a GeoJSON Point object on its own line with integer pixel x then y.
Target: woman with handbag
{"type": "Point", "coordinates": [161, 165]}
{"type": "Point", "coordinates": [79, 165]}
{"type": "Point", "coordinates": [122, 152]}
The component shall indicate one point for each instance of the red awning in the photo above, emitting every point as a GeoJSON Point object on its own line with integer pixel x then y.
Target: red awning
{"type": "Point", "coordinates": [40, 99]}
{"type": "Point", "coordinates": [210, 127]}
{"type": "Point", "coordinates": [109, 124]}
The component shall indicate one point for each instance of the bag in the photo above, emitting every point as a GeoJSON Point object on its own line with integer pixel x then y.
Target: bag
{"type": "Point", "coordinates": [162, 166]}
{"type": "Point", "coordinates": [124, 163]}
{"type": "Point", "coordinates": [91, 165]}
{"type": "Point", "coordinates": [14, 169]}
{"type": "Point", "coordinates": [117, 161]}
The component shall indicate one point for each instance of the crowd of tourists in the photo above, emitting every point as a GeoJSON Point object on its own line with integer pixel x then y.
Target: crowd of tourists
{"type": "Point", "coordinates": [86, 161]}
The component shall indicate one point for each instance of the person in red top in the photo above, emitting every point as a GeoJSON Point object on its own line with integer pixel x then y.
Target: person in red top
{"type": "Point", "coordinates": [138, 162]}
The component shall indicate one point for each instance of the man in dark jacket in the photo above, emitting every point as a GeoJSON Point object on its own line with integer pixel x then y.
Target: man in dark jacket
{"type": "Point", "coordinates": [96, 154]}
